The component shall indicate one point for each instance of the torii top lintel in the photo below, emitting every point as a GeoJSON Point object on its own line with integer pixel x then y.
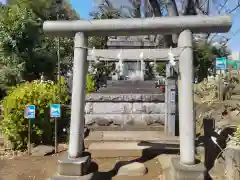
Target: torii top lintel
{"type": "Point", "coordinates": [138, 26]}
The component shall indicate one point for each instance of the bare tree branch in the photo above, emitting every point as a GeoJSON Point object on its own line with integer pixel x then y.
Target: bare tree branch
{"type": "Point", "coordinates": [202, 7]}
{"type": "Point", "coordinates": [137, 8]}
{"type": "Point", "coordinates": [157, 12]}
{"type": "Point", "coordinates": [223, 6]}
{"type": "Point", "coordinates": [234, 9]}
{"type": "Point", "coordinates": [172, 11]}
{"type": "Point", "coordinates": [189, 7]}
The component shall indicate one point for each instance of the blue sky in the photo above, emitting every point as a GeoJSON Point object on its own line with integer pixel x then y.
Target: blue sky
{"type": "Point", "coordinates": [83, 7]}
{"type": "Point", "coordinates": [2, 1]}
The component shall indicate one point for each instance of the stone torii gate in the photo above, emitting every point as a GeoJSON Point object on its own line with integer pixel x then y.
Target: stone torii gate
{"type": "Point", "coordinates": [77, 161]}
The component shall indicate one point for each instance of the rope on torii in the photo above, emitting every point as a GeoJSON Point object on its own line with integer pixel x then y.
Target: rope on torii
{"type": "Point", "coordinates": [120, 63]}
{"type": "Point", "coordinates": [92, 70]}
{"type": "Point", "coordinates": [171, 57]}
{"type": "Point", "coordinates": [142, 63]}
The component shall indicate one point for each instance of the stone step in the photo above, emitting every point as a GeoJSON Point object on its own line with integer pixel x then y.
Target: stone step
{"type": "Point", "coordinates": [128, 86]}
{"type": "Point", "coordinates": [136, 83]}
{"type": "Point", "coordinates": [126, 128]}
{"type": "Point", "coordinates": [130, 136]}
{"type": "Point", "coordinates": [125, 90]}
{"type": "Point", "coordinates": [129, 143]}
{"type": "Point", "coordinates": [131, 149]}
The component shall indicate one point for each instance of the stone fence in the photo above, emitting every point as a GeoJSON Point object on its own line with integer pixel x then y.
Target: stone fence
{"type": "Point", "coordinates": [124, 109]}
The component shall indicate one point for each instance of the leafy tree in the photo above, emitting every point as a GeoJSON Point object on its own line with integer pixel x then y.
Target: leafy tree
{"type": "Point", "coordinates": [47, 9]}
{"type": "Point", "coordinates": [204, 58]}
{"type": "Point", "coordinates": [161, 69]}
{"type": "Point", "coordinates": [25, 50]}
{"type": "Point", "coordinates": [53, 10]}
{"type": "Point", "coordinates": [18, 31]}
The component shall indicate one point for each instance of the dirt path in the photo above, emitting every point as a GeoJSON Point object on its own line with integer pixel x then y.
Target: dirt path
{"type": "Point", "coordinates": [28, 168]}
{"type": "Point", "coordinates": [41, 168]}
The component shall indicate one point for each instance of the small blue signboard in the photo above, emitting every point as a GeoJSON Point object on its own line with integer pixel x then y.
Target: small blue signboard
{"type": "Point", "coordinates": [221, 63]}
{"type": "Point", "coordinates": [30, 112]}
{"type": "Point", "coordinates": [55, 110]}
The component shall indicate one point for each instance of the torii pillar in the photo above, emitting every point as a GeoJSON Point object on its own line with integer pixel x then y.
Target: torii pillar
{"type": "Point", "coordinates": [183, 167]}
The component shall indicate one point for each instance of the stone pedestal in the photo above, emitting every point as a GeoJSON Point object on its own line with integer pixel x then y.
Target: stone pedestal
{"type": "Point", "coordinates": [232, 161]}
{"type": "Point", "coordinates": [68, 168]}
{"type": "Point", "coordinates": [179, 171]}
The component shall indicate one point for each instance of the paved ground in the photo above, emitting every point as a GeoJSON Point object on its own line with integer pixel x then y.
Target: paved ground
{"type": "Point", "coordinates": [40, 168]}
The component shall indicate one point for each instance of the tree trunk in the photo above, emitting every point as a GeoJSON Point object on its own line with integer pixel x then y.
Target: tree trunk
{"type": "Point", "coordinates": [157, 12]}
{"type": "Point", "coordinates": [197, 7]}
{"type": "Point", "coordinates": [189, 7]}
{"type": "Point", "coordinates": [138, 9]}
{"type": "Point", "coordinates": [172, 11]}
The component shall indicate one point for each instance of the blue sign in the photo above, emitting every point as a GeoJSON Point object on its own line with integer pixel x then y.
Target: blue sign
{"type": "Point", "coordinates": [30, 112]}
{"type": "Point", "coordinates": [221, 63]}
{"type": "Point", "coordinates": [55, 110]}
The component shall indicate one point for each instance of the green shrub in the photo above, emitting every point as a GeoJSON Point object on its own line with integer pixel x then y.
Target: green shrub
{"type": "Point", "coordinates": [15, 126]}
{"type": "Point", "coordinates": [90, 84]}
{"type": "Point", "coordinates": [42, 94]}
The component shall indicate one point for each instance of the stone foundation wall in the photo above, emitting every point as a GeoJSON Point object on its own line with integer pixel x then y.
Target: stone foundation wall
{"type": "Point", "coordinates": [124, 109]}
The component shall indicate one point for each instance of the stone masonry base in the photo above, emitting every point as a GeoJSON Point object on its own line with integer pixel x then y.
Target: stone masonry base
{"type": "Point", "coordinates": [173, 169]}
{"type": "Point", "coordinates": [71, 169]}
{"type": "Point", "coordinates": [124, 110]}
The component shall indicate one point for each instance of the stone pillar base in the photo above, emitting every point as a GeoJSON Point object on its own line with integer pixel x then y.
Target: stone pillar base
{"type": "Point", "coordinates": [74, 168]}
{"type": "Point", "coordinates": [179, 171]}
